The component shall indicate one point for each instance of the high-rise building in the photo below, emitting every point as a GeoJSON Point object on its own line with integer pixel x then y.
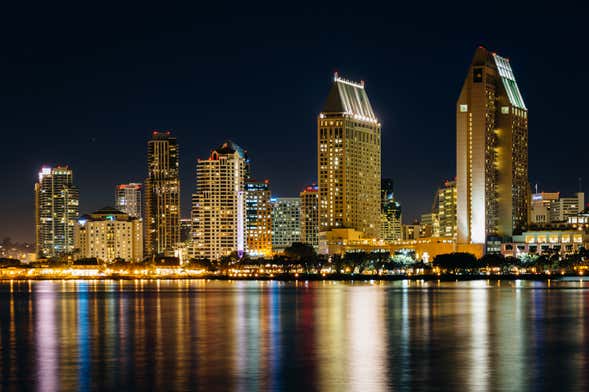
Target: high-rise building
{"type": "Point", "coordinates": [162, 195]}
{"type": "Point", "coordinates": [446, 201]}
{"type": "Point", "coordinates": [109, 234]}
{"type": "Point", "coordinates": [310, 216]}
{"type": "Point", "coordinates": [285, 222]}
{"type": "Point", "coordinates": [218, 206]}
{"type": "Point", "coordinates": [128, 199]}
{"type": "Point", "coordinates": [56, 211]}
{"type": "Point", "coordinates": [258, 212]}
{"type": "Point", "coordinates": [349, 167]}
{"type": "Point", "coordinates": [390, 212]}
{"type": "Point", "coordinates": [492, 152]}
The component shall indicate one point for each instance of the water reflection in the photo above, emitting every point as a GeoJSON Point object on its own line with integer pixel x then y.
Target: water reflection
{"type": "Point", "coordinates": [331, 336]}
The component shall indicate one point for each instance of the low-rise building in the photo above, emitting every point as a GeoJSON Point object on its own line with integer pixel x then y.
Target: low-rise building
{"type": "Point", "coordinates": [546, 242]}
{"type": "Point", "coordinates": [109, 234]}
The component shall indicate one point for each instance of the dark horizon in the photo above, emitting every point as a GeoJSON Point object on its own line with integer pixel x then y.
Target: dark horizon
{"type": "Point", "coordinates": [86, 89]}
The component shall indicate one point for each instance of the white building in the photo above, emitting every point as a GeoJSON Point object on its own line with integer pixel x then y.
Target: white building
{"type": "Point", "coordinates": [109, 234]}
{"type": "Point", "coordinates": [218, 206]}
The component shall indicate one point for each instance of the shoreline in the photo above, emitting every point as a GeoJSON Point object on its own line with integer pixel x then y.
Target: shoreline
{"type": "Point", "coordinates": [311, 278]}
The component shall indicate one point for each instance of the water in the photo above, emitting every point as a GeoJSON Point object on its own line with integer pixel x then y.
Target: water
{"type": "Point", "coordinates": [328, 336]}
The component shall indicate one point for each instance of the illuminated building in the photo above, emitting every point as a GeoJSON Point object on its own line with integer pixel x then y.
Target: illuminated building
{"type": "Point", "coordinates": [446, 205]}
{"type": "Point", "coordinates": [258, 212]}
{"type": "Point", "coordinates": [550, 208]}
{"type": "Point", "coordinates": [56, 211]}
{"type": "Point", "coordinates": [349, 166]}
{"type": "Point", "coordinates": [310, 216]}
{"type": "Point", "coordinates": [547, 242]}
{"type": "Point", "coordinates": [429, 225]}
{"type": "Point", "coordinates": [492, 153]}
{"type": "Point", "coordinates": [566, 207]}
{"type": "Point", "coordinates": [162, 195]}
{"type": "Point", "coordinates": [540, 206]}
{"type": "Point", "coordinates": [128, 199]}
{"type": "Point", "coordinates": [390, 212]}
{"type": "Point", "coordinates": [218, 206]}
{"type": "Point", "coordinates": [411, 232]}
{"type": "Point", "coordinates": [185, 230]}
{"type": "Point", "coordinates": [109, 234]}
{"type": "Point", "coordinates": [285, 222]}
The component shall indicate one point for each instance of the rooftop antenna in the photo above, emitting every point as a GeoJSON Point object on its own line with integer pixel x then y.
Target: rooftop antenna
{"type": "Point", "coordinates": [536, 188]}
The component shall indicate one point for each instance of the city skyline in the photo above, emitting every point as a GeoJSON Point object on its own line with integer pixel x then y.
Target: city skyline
{"type": "Point", "coordinates": [130, 87]}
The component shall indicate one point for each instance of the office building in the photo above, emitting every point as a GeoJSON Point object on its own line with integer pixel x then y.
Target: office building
{"type": "Point", "coordinates": [218, 206]}
{"type": "Point", "coordinates": [285, 222]}
{"type": "Point", "coordinates": [492, 153]}
{"type": "Point", "coordinates": [128, 199]}
{"type": "Point", "coordinates": [429, 225]}
{"type": "Point", "coordinates": [349, 166]}
{"type": "Point", "coordinates": [446, 206]}
{"type": "Point", "coordinates": [258, 213]}
{"type": "Point", "coordinates": [162, 195]}
{"type": "Point", "coordinates": [310, 216]}
{"type": "Point", "coordinates": [109, 235]}
{"type": "Point", "coordinates": [390, 213]}
{"type": "Point", "coordinates": [56, 211]}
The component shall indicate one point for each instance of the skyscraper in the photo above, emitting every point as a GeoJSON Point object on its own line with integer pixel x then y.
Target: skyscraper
{"type": "Point", "coordinates": [390, 212]}
{"type": "Point", "coordinates": [310, 215]}
{"type": "Point", "coordinates": [492, 152]}
{"type": "Point", "coordinates": [56, 211]}
{"type": "Point", "coordinates": [258, 209]}
{"type": "Point", "coordinates": [447, 209]}
{"type": "Point", "coordinates": [349, 167]}
{"type": "Point", "coordinates": [128, 199]}
{"type": "Point", "coordinates": [218, 206]}
{"type": "Point", "coordinates": [162, 195]}
{"type": "Point", "coordinates": [286, 223]}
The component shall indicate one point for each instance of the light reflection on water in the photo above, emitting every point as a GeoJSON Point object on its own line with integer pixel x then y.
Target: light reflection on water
{"type": "Point", "coordinates": [330, 336]}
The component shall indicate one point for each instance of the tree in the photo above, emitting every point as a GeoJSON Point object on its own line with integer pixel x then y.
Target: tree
{"type": "Point", "coordinates": [455, 261]}
{"type": "Point", "coordinates": [304, 254]}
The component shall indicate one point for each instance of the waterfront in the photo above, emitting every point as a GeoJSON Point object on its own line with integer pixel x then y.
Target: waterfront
{"type": "Point", "coordinates": [267, 335]}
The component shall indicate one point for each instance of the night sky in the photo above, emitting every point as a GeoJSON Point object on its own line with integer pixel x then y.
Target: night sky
{"type": "Point", "coordinates": [84, 84]}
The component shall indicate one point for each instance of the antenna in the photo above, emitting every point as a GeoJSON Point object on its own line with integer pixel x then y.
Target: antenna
{"type": "Point", "coordinates": [536, 188]}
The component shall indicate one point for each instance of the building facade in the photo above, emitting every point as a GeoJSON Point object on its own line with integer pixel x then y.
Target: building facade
{"type": "Point", "coordinates": [349, 162]}
{"type": "Point", "coordinates": [310, 216]}
{"type": "Point", "coordinates": [390, 213]}
{"type": "Point", "coordinates": [492, 152]}
{"type": "Point", "coordinates": [258, 212]}
{"type": "Point", "coordinates": [447, 209]}
{"type": "Point", "coordinates": [162, 195]}
{"type": "Point", "coordinates": [285, 222]}
{"type": "Point", "coordinates": [218, 206]}
{"type": "Point", "coordinates": [128, 199]}
{"type": "Point", "coordinates": [108, 235]}
{"type": "Point", "coordinates": [56, 211]}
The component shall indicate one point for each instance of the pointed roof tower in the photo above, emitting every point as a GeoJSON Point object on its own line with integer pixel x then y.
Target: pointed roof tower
{"type": "Point", "coordinates": [349, 98]}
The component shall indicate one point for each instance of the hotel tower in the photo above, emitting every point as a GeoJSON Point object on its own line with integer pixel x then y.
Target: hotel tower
{"type": "Point", "coordinates": [491, 153]}
{"type": "Point", "coordinates": [349, 168]}
{"type": "Point", "coordinates": [162, 195]}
